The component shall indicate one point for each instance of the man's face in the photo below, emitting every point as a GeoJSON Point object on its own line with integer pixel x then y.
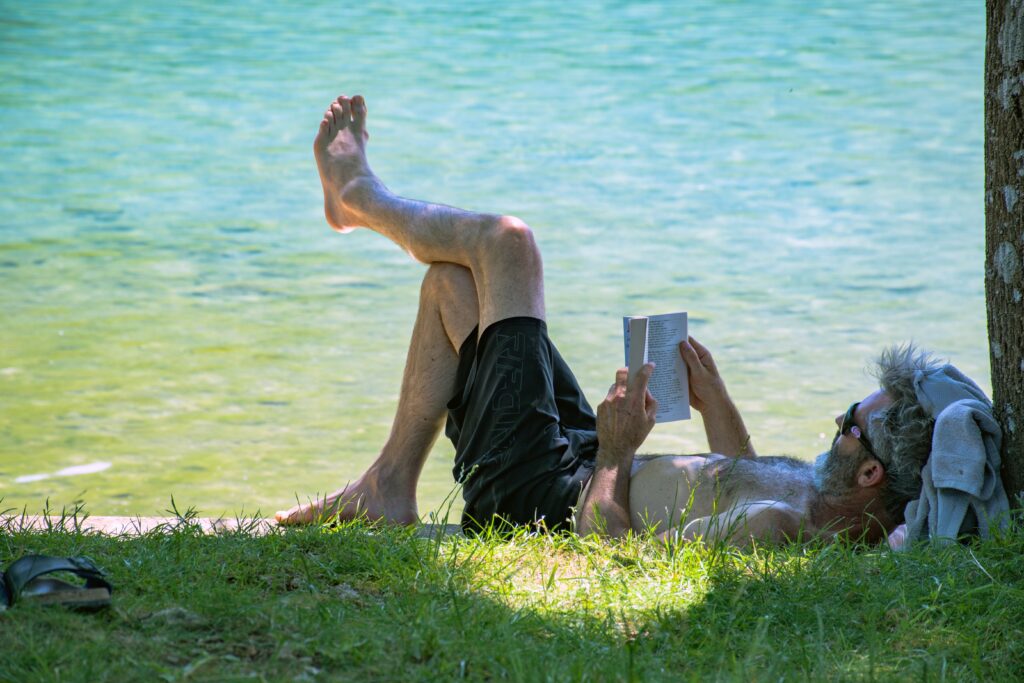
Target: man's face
{"type": "Point", "coordinates": [835, 470]}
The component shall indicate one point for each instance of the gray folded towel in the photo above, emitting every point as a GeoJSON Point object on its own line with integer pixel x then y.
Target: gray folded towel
{"type": "Point", "coordinates": [961, 491]}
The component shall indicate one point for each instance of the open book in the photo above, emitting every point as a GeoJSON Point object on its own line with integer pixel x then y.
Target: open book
{"type": "Point", "coordinates": [656, 339]}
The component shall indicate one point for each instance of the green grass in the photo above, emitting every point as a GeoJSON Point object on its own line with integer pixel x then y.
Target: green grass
{"type": "Point", "coordinates": [356, 603]}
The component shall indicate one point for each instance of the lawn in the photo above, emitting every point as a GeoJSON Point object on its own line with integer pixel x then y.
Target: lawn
{"type": "Point", "coordinates": [357, 603]}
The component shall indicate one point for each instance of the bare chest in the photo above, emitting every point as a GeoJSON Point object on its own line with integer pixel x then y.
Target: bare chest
{"type": "Point", "coordinates": [730, 482]}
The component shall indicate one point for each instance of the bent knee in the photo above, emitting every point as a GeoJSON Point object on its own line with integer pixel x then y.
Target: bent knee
{"type": "Point", "coordinates": [513, 230]}
{"type": "Point", "coordinates": [512, 238]}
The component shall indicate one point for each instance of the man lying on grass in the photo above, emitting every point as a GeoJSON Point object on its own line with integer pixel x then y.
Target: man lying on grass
{"type": "Point", "coordinates": [528, 447]}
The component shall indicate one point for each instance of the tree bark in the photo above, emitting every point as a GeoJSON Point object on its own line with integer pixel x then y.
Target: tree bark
{"type": "Point", "coordinates": [1004, 229]}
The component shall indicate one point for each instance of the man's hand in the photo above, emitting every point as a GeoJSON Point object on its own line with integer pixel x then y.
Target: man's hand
{"type": "Point", "coordinates": [898, 537]}
{"type": "Point", "coordinates": [624, 419]}
{"type": "Point", "coordinates": [626, 416]}
{"type": "Point", "coordinates": [723, 425]}
{"type": "Point", "coordinates": [706, 385]}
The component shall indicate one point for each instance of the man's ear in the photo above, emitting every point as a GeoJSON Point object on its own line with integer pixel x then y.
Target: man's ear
{"type": "Point", "coordinates": [871, 473]}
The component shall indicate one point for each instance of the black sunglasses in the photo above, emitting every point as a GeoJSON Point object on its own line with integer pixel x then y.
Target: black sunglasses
{"type": "Point", "coordinates": [849, 427]}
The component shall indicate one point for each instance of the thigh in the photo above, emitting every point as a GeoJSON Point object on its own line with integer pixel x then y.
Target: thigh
{"type": "Point", "coordinates": [573, 409]}
{"type": "Point", "coordinates": [452, 289]}
{"type": "Point", "coordinates": [509, 273]}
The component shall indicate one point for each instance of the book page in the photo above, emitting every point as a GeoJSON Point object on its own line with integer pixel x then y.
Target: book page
{"type": "Point", "coordinates": [669, 384]}
{"type": "Point", "coordinates": [636, 354]}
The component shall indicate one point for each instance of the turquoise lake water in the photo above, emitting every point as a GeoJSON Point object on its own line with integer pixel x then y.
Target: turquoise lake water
{"type": "Point", "coordinates": [806, 179]}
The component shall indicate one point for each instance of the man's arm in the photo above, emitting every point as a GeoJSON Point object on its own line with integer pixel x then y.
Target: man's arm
{"type": "Point", "coordinates": [624, 419]}
{"type": "Point", "coordinates": [765, 521]}
{"type": "Point", "coordinates": [727, 435]}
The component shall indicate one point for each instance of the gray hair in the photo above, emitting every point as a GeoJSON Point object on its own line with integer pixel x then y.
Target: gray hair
{"type": "Point", "coordinates": [901, 434]}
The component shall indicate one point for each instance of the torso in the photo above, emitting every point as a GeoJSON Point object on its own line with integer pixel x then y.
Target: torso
{"type": "Point", "coordinates": [672, 491]}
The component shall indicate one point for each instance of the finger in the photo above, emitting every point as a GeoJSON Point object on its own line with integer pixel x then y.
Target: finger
{"type": "Point", "coordinates": [702, 352]}
{"type": "Point", "coordinates": [690, 357]}
{"type": "Point", "coordinates": [643, 376]}
{"type": "Point", "coordinates": [621, 376]}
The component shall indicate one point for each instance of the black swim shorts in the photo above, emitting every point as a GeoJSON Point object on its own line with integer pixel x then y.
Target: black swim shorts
{"type": "Point", "coordinates": [525, 437]}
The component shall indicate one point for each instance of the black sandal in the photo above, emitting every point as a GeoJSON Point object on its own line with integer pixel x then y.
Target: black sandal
{"type": "Point", "coordinates": [22, 581]}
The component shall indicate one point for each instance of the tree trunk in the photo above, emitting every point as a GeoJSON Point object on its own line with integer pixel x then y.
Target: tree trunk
{"type": "Point", "coordinates": [1004, 229]}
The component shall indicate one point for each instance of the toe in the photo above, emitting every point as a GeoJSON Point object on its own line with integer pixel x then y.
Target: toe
{"type": "Point", "coordinates": [340, 121]}
{"type": "Point", "coordinates": [332, 126]}
{"type": "Point", "coordinates": [322, 133]}
{"type": "Point", "coordinates": [346, 108]}
{"type": "Point", "coordinates": [358, 111]}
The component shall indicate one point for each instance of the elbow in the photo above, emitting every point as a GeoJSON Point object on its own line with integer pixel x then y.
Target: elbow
{"type": "Point", "coordinates": [593, 523]}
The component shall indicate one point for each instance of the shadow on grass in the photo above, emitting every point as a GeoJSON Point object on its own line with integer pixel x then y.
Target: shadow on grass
{"type": "Point", "coordinates": [352, 602]}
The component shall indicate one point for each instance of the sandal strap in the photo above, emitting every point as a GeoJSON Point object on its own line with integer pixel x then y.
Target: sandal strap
{"type": "Point", "coordinates": [31, 567]}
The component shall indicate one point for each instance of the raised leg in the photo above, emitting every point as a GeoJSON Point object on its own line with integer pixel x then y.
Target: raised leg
{"type": "Point", "coordinates": [387, 490]}
{"type": "Point", "coordinates": [500, 251]}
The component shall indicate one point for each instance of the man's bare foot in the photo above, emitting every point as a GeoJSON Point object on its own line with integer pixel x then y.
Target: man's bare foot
{"type": "Point", "coordinates": [362, 499]}
{"type": "Point", "coordinates": [340, 151]}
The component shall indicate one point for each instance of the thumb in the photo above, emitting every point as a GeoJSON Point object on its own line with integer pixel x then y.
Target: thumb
{"type": "Point", "coordinates": [651, 406]}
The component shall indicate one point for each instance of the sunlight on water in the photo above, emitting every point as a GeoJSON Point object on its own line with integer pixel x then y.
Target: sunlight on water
{"type": "Point", "coordinates": [806, 181]}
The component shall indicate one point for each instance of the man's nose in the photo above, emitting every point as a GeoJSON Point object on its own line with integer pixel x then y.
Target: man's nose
{"type": "Point", "coordinates": [839, 420]}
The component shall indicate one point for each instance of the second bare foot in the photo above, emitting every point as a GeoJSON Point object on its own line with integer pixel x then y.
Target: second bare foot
{"type": "Point", "coordinates": [361, 499]}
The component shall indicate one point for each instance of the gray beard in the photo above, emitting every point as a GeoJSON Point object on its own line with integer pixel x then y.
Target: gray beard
{"type": "Point", "coordinates": [832, 476]}
{"type": "Point", "coordinates": [820, 464]}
